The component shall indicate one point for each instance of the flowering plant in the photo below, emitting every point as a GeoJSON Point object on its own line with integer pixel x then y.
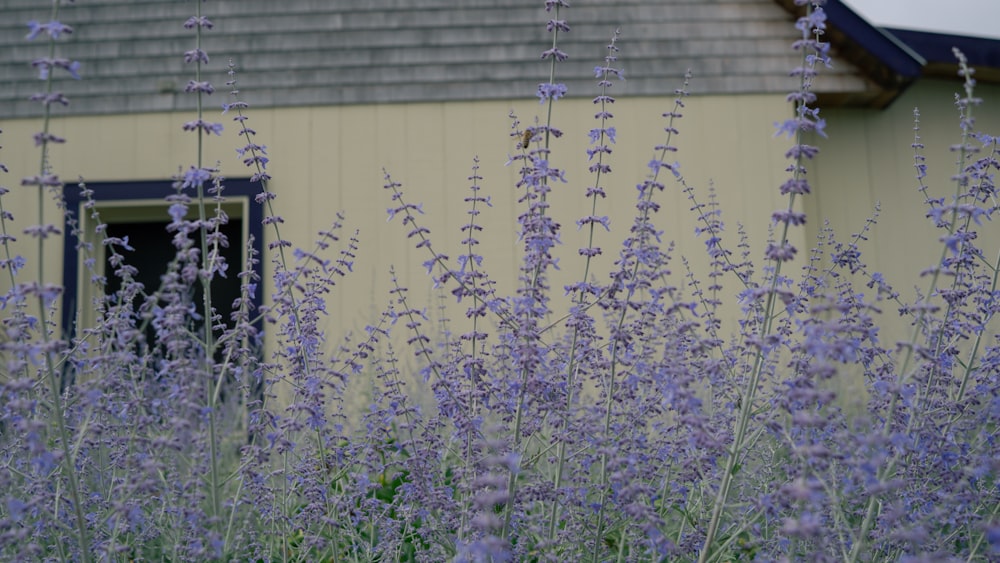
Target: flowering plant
{"type": "Point", "coordinates": [631, 428]}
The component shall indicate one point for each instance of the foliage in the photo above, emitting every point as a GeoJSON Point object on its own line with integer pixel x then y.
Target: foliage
{"type": "Point", "coordinates": [632, 429]}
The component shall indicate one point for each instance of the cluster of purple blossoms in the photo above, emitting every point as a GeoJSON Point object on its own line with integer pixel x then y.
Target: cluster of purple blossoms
{"type": "Point", "coordinates": [629, 428]}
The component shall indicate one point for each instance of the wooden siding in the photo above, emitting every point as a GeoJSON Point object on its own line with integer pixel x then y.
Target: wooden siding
{"type": "Point", "coordinates": [868, 159]}
{"type": "Point", "coordinates": [329, 159]}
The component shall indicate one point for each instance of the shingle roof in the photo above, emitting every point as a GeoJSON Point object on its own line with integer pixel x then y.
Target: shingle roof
{"type": "Point", "coordinates": [319, 52]}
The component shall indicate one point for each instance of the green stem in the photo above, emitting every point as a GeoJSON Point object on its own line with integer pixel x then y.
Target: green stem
{"type": "Point", "coordinates": [889, 468]}
{"type": "Point", "coordinates": [571, 367]}
{"type": "Point", "coordinates": [644, 217]}
{"type": "Point", "coordinates": [760, 357]}
{"type": "Point", "coordinates": [533, 283]}
{"type": "Point", "coordinates": [205, 277]}
{"type": "Point", "coordinates": [55, 381]}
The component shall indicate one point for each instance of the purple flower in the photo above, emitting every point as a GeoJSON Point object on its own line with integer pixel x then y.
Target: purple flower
{"type": "Point", "coordinates": [50, 98]}
{"type": "Point", "coordinates": [16, 508]}
{"type": "Point", "coordinates": [655, 165]}
{"type": "Point", "coordinates": [789, 217]}
{"type": "Point", "coordinates": [550, 91]}
{"type": "Point", "coordinates": [45, 65]}
{"type": "Point", "coordinates": [205, 126]}
{"type": "Point", "coordinates": [538, 429]}
{"type": "Point", "coordinates": [196, 55]}
{"type": "Point", "coordinates": [198, 21]}
{"type": "Point", "coordinates": [557, 25]}
{"type": "Point", "coordinates": [600, 71]}
{"type": "Point", "coordinates": [557, 54]}
{"type": "Point", "coordinates": [53, 29]}
{"type": "Point", "coordinates": [993, 537]}
{"type": "Point", "coordinates": [201, 87]}
{"type": "Point", "coordinates": [196, 177]}
{"type": "Point", "coordinates": [609, 132]}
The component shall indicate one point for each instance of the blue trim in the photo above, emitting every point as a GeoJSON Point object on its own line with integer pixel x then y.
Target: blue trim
{"type": "Point", "coordinates": [892, 52]}
{"type": "Point", "coordinates": [147, 191]}
{"type": "Point", "coordinates": [981, 52]}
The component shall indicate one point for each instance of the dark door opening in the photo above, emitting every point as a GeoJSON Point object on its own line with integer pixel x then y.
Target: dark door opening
{"type": "Point", "coordinates": [153, 253]}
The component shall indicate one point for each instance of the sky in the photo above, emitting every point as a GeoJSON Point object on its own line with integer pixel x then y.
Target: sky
{"type": "Point", "coordinates": [980, 18]}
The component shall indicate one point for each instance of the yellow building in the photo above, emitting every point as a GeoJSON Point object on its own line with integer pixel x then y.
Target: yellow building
{"type": "Point", "coordinates": [339, 93]}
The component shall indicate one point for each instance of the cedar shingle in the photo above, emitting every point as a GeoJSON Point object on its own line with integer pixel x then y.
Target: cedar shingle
{"type": "Point", "coordinates": [306, 52]}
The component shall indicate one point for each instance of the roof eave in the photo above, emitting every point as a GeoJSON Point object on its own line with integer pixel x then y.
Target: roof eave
{"type": "Point", "coordinates": [982, 53]}
{"type": "Point", "coordinates": [885, 62]}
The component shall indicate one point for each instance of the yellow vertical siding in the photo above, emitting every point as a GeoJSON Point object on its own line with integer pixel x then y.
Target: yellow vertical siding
{"type": "Point", "coordinates": [329, 159]}
{"type": "Point", "coordinates": [868, 158]}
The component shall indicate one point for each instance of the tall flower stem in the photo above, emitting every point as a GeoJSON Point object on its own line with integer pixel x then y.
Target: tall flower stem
{"type": "Point", "coordinates": [603, 135]}
{"type": "Point", "coordinates": [44, 294]}
{"type": "Point", "coordinates": [919, 325]}
{"type": "Point", "coordinates": [641, 238]}
{"type": "Point", "coordinates": [778, 253]}
{"type": "Point", "coordinates": [205, 277]}
{"type": "Point", "coordinates": [538, 232]}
